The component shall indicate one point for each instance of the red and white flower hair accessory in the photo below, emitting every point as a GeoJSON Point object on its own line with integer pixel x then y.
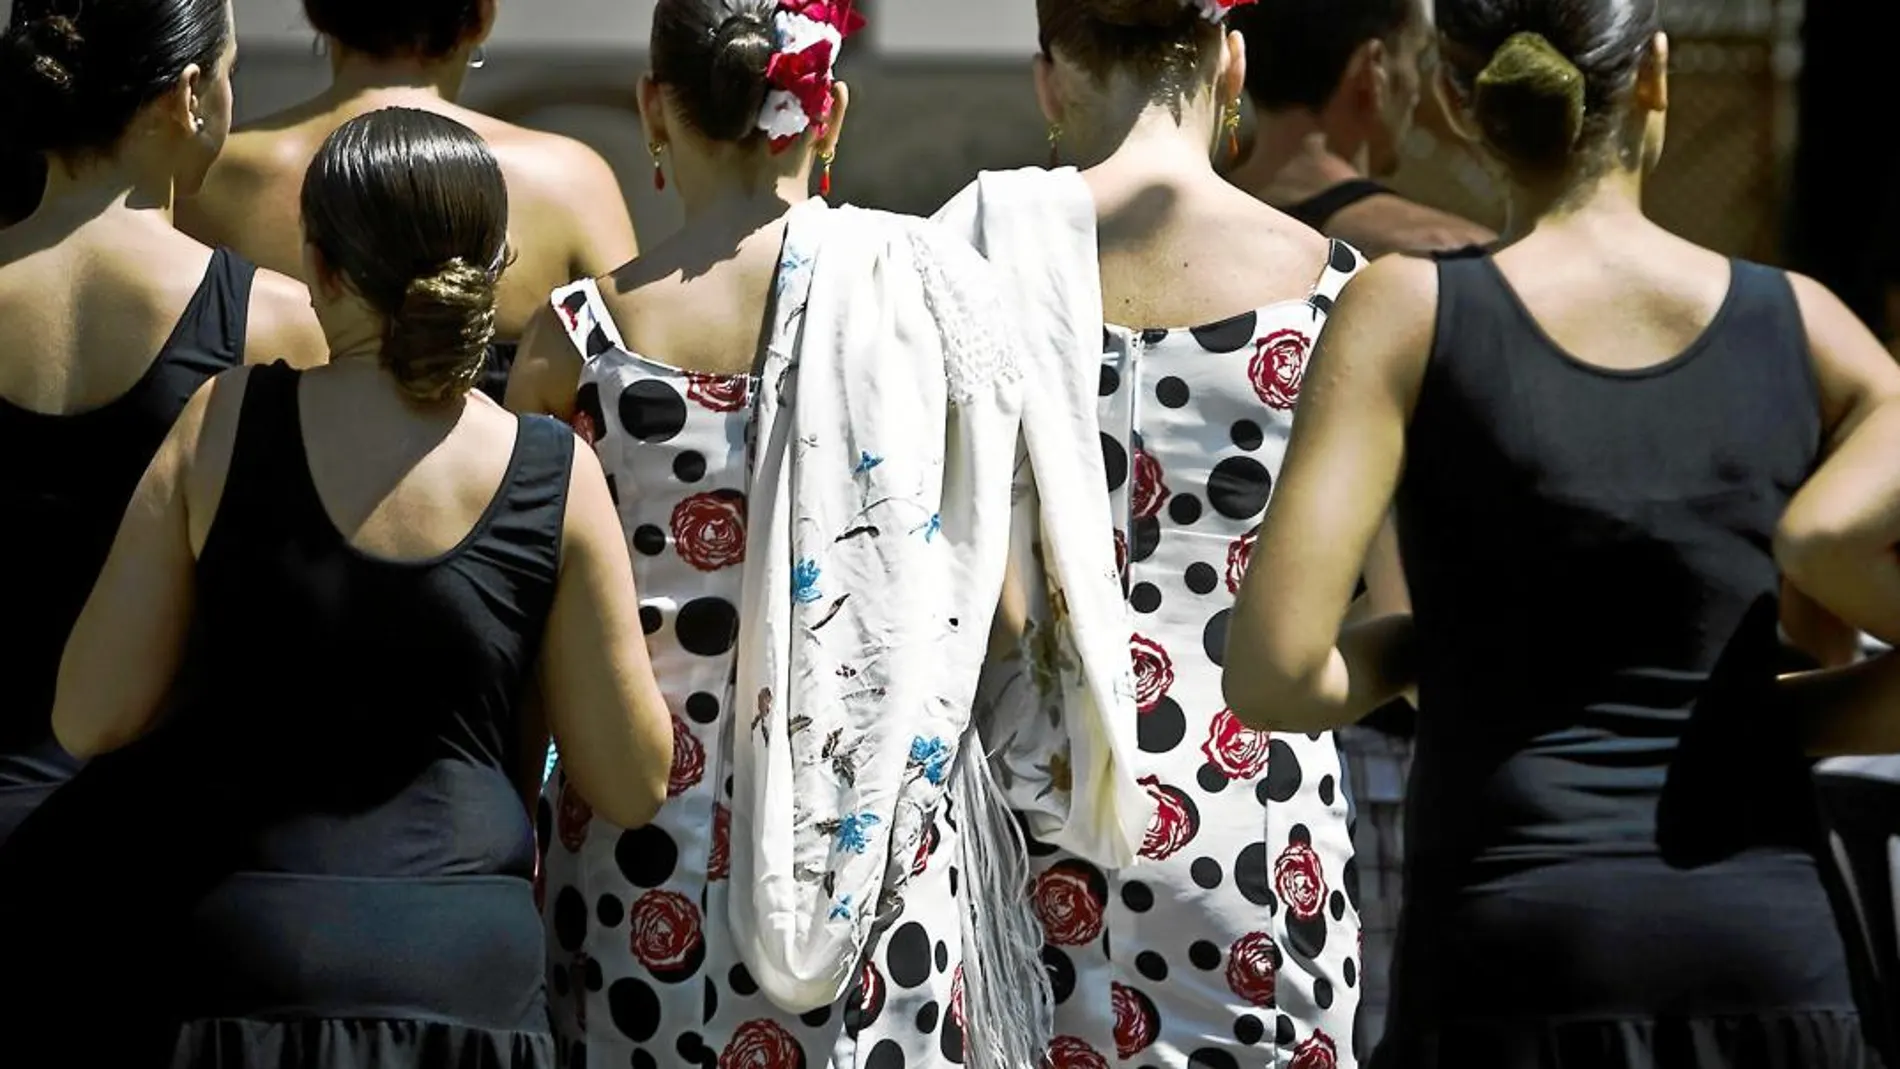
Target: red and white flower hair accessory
{"type": "Point", "coordinates": [810, 34]}
{"type": "Point", "coordinates": [1216, 10]}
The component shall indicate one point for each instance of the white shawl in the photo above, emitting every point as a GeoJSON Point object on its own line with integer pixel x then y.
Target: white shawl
{"type": "Point", "coordinates": [1059, 713]}
{"type": "Point", "coordinates": [875, 551]}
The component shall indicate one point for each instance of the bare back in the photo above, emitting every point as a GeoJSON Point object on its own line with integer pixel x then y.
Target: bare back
{"type": "Point", "coordinates": [567, 216]}
{"type": "Point", "coordinates": [85, 309]}
{"type": "Point", "coordinates": [1177, 252]}
{"type": "Point", "coordinates": [1623, 300]}
{"type": "Point", "coordinates": [697, 301]}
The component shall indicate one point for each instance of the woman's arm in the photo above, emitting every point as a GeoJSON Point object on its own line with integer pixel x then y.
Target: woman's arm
{"type": "Point", "coordinates": [547, 370]}
{"type": "Point", "coordinates": [1836, 541]}
{"type": "Point", "coordinates": [1848, 711]}
{"type": "Point", "coordinates": [605, 708]}
{"type": "Point", "coordinates": [1289, 666]}
{"type": "Point", "coordinates": [125, 649]}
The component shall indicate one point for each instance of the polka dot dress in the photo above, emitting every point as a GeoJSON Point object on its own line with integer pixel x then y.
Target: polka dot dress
{"type": "Point", "coordinates": [642, 970]}
{"type": "Point", "coordinates": [1235, 942]}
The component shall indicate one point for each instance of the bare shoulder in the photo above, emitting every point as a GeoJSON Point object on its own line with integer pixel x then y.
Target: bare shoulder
{"type": "Point", "coordinates": [282, 323]}
{"type": "Point", "coordinates": [548, 167]}
{"type": "Point", "coordinates": [1387, 313]}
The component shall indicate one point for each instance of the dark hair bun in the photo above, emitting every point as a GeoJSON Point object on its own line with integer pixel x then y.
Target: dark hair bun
{"type": "Point", "coordinates": [741, 51]}
{"type": "Point", "coordinates": [438, 340]}
{"type": "Point", "coordinates": [40, 63]}
{"type": "Point", "coordinates": [1529, 101]}
{"type": "Point", "coordinates": [1138, 13]}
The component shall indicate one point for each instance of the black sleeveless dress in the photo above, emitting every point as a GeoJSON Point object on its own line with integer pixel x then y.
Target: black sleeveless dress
{"type": "Point", "coordinates": [380, 910]}
{"type": "Point", "coordinates": [66, 491]}
{"type": "Point", "coordinates": [1611, 830]}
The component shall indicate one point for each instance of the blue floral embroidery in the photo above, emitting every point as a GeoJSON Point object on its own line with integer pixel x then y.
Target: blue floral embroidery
{"type": "Point", "coordinates": [842, 909]}
{"type": "Point", "coordinates": [854, 832]}
{"type": "Point", "coordinates": [932, 756]}
{"type": "Point", "coordinates": [866, 461]}
{"type": "Point", "coordinates": [805, 582]}
{"type": "Point", "coordinates": [931, 526]}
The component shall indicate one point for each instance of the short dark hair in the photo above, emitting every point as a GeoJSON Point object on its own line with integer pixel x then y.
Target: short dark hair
{"type": "Point", "coordinates": [1542, 76]}
{"type": "Point", "coordinates": [73, 76]}
{"type": "Point", "coordinates": [387, 29]}
{"type": "Point", "coordinates": [1297, 50]}
{"type": "Point", "coordinates": [712, 55]}
{"type": "Point", "coordinates": [409, 207]}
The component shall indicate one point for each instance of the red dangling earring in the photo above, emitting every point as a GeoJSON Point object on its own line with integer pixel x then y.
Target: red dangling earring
{"type": "Point", "coordinates": [659, 173]}
{"type": "Point", "coordinates": [824, 177]}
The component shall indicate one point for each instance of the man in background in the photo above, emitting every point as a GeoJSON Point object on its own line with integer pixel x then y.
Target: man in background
{"type": "Point", "coordinates": [1335, 84]}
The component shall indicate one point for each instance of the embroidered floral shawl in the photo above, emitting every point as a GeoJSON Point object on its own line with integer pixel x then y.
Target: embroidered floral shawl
{"type": "Point", "coordinates": [877, 535]}
{"type": "Point", "coordinates": [1059, 711]}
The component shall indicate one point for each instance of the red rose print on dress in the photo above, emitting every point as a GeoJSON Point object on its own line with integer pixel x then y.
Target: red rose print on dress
{"type": "Point", "coordinates": [1070, 898]}
{"type": "Point", "coordinates": [1278, 366]}
{"type": "Point", "coordinates": [1252, 964]}
{"type": "Point", "coordinates": [689, 760]}
{"type": "Point", "coordinates": [1137, 1022]}
{"type": "Point", "coordinates": [1300, 881]}
{"type": "Point", "coordinates": [583, 423]}
{"type": "Point", "coordinates": [1068, 1052]}
{"type": "Point", "coordinates": [571, 821]}
{"type": "Point", "coordinates": [925, 845]}
{"type": "Point", "coordinates": [1150, 490]}
{"type": "Point", "coordinates": [870, 998]}
{"type": "Point", "coordinates": [720, 393]}
{"type": "Point", "coordinates": [1239, 555]}
{"type": "Point", "coordinates": [1154, 672]}
{"type": "Point", "coordinates": [956, 996]}
{"type": "Point", "coordinates": [762, 1044]}
{"type": "Point", "coordinates": [709, 529]}
{"type": "Point", "coordinates": [666, 931]}
{"type": "Point", "coordinates": [1318, 1052]}
{"type": "Point", "coordinates": [1121, 554]}
{"type": "Point", "coordinates": [719, 859]}
{"type": "Point", "coordinates": [1175, 821]}
{"type": "Point", "coordinates": [1237, 750]}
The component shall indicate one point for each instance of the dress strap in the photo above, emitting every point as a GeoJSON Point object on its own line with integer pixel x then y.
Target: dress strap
{"type": "Point", "coordinates": [585, 318]}
{"type": "Point", "coordinates": [215, 321]}
{"type": "Point", "coordinates": [1318, 210]}
{"type": "Point", "coordinates": [1342, 263]}
{"type": "Point", "coordinates": [524, 534]}
{"type": "Point", "coordinates": [263, 485]}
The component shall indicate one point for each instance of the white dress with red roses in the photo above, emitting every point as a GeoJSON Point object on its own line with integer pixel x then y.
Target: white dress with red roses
{"type": "Point", "coordinates": [641, 964]}
{"type": "Point", "coordinates": [1234, 943]}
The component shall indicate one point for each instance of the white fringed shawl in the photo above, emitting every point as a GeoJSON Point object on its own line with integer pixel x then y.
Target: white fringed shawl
{"type": "Point", "coordinates": [1060, 713]}
{"type": "Point", "coordinates": [875, 551]}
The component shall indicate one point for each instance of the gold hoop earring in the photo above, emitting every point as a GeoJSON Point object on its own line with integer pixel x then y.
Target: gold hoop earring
{"type": "Point", "coordinates": [659, 173]}
{"type": "Point", "coordinates": [1055, 144]}
{"type": "Point", "coordinates": [824, 178]}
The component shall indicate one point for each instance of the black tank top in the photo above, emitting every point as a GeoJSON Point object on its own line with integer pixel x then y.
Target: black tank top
{"type": "Point", "coordinates": [1318, 210]}
{"type": "Point", "coordinates": [1583, 547]}
{"type": "Point", "coordinates": [65, 493]}
{"type": "Point", "coordinates": [389, 688]}
{"type": "Point", "coordinates": [1606, 796]}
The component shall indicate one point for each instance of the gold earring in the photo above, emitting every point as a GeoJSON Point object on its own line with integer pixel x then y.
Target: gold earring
{"type": "Point", "coordinates": [1230, 120]}
{"type": "Point", "coordinates": [659, 174]}
{"type": "Point", "coordinates": [824, 178]}
{"type": "Point", "coordinates": [1055, 143]}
